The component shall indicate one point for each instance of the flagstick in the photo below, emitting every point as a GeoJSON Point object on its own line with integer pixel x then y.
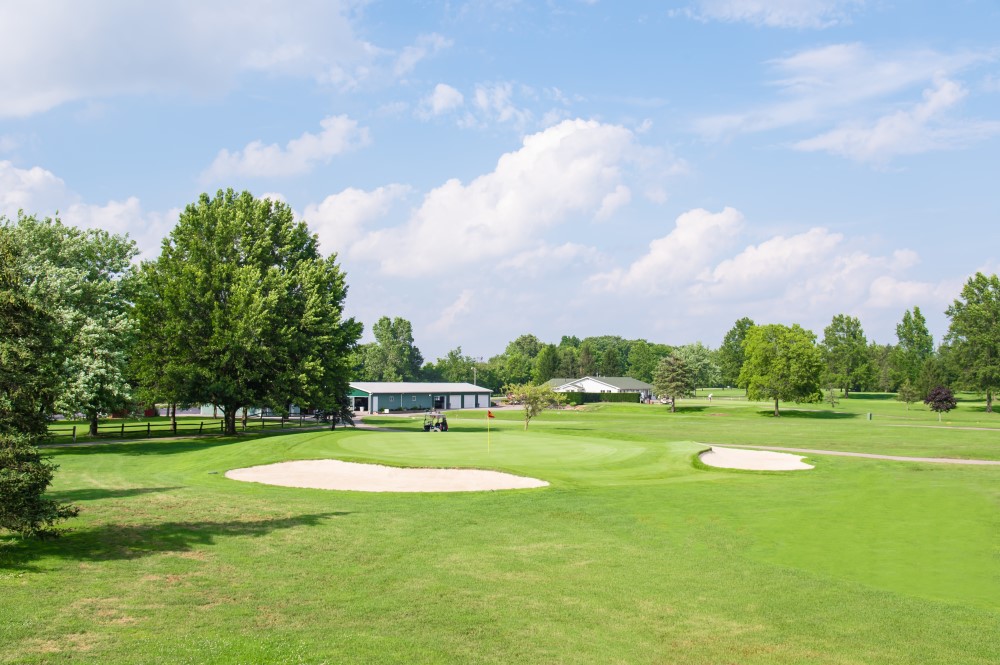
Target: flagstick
{"type": "Point", "coordinates": [487, 431]}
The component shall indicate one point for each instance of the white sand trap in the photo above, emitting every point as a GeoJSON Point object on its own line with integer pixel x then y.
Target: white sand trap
{"type": "Point", "coordinates": [329, 474]}
{"type": "Point", "coordinates": [754, 460]}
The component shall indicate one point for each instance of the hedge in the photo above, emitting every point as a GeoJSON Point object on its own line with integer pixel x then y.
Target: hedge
{"type": "Point", "coordinates": [590, 398]}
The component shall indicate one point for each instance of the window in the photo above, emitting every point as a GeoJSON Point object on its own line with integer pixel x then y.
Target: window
{"type": "Point", "coordinates": [413, 398]}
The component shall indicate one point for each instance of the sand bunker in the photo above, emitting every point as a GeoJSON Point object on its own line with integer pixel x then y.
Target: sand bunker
{"type": "Point", "coordinates": [328, 474]}
{"type": "Point", "coordinates": [754, 460]}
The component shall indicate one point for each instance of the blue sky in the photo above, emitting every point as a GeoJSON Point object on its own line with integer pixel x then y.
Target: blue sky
{"type": "Point", "coordinates": [487, 169]}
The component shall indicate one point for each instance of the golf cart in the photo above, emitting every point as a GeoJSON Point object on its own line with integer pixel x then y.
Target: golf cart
{"type": "Point", "coordinates": [435, 421]}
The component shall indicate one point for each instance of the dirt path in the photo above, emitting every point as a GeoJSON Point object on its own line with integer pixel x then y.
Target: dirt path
{"type": "Point", "coordinates": [895, 458]}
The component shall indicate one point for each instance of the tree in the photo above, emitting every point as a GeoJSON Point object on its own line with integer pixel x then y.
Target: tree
{"type": "Point", "coordinates": [29, 385]}
{"type": "Point", "coordinates": [533, 399]}
{"type": "Point", "coordinates": [908, 394]}
{"type": "Point", "coordinates": [394, 356]}
{"type": "Point", "coordinates": [673, 379]}
{"type": "Point", "coordinates": [915, 345]}
{"type": "Point", "coordinates": [568, 363]}
{"type": "Point", "coordinates": [86, 280]}
{"type": "Point", "coordinates": [642, 361]}
{"type": "Point", "coordinates": [781, 363]}
{"type": "Point", "coordinates": [941, 400]}
{"type": "Point", "coordinates": [731, 351]}
{"type": "Point", "coordinates": [831, 397]}
{"type": "Point", "coordinates": [587, 359]}
{"type": "Point", "coordinates": [254, 310]}
{"type": "Point", "coordinates": [611, 362]}
{"type": "Point", "coordinates": [701, 362]}
{"type": "Point", "coordinates": [974, 333]}
{"type": "Point", "coordinates": [845, 351]}
{"type": "Point", "coordinates": [546, 363]}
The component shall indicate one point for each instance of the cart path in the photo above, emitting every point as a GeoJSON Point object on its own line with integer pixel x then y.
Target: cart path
{"type": "Point", "coordinates": [841, 453]}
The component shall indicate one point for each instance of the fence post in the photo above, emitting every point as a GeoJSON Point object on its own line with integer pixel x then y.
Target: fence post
{"type": "Point", "coordinates": [74, 433]}
{"type": "Point", "coordinates": [173, 427]}
{"type": "Point", "coordinates": [149, 430]}
{"type": "Point", "coordinates": [201, 426]}
{"type": "Point", "coordinates": [282, 422]}
{"type": "Point", "coordinates": [123, 429]}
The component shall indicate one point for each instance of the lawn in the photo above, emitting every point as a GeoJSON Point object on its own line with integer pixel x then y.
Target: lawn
{"type": "Point", "coordinates": [634, 554]}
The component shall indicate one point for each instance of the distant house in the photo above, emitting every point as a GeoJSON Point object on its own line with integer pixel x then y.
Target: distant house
{"type": "Point", "coordinates": [602, 384]}
{"type": "Point", "coordinates": [375, 396]}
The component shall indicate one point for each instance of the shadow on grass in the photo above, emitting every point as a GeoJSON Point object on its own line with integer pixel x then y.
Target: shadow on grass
{"type": "Point", "coordinates": [810, 415]}
{"type": "Point", "coordinates": [169, 446]}
{"type": "Point", "coordinates": [98, 493]}
{"type": "Point", "coordinates": [873, 396]}
{"type": "Point", "coordinates": [114, 542]}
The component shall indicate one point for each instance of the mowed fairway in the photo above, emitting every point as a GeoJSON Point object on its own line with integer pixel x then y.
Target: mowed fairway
{"type": "Point", "coordinates": [634, 554]}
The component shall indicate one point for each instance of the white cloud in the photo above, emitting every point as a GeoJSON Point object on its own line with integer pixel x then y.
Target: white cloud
{"type": "Point", "coordinates": [613, 201]}
{"type": "Point", "coordinates": [426, 45]}
{"type": "Point", "coordinates": [340, 134]}
{"type": "Point", "coordinates": [888, 291]}
{"type": "Point", "coordinates": [564, 170]}
{"type": "Point", "coordinates": [340, 219]}
{"type": "Point", "coordinates": [56, 52]}
{"type": "Point", "coordinates": [698, 237]}
{"type": "Point", "coordinates": [547, 259]}
{"type": "Point", "coordinates": [833, 82]}
{"type": "Point", "coordinates": [494, 103]}
{"type": "Point", "coordinates": [779, 13]}
{"type": "Point", "coordinates": [38, 191]}
{"type": "Point", "coordinates": [444, 99]}
{"type": "Point", "coordinates": [920, 129]}
{"type": "Point", "coordinates": [462, 305]}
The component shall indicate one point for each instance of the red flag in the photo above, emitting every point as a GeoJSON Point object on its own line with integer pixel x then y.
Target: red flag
{"type": "Point", "coordinates": [489, 414]}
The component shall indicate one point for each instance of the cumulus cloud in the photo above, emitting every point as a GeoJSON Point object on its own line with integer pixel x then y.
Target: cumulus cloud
{"type": "Point", "coordinates": [39, 191]}
{"type": "Point", "coordinates": [568, 169]}
{"type": "Point", "coordinates": [922, 128]}
{"type": "Point", "coordinates": [494, 102]}
{"type": "Point", "coordinates": [613, 201]}
{"type": "Point", "coordinates": [339, 134]}
{"type": "Point", "coordinates": [779, 13]}
{"type": "Point", "coordinates": [546, 259]}
{"type": "Point", "coordinates": [442, 100]}
{"type": "Point", "coordinates": [340, 219]}
{"type": "Point", "coordinates": [698, 236]}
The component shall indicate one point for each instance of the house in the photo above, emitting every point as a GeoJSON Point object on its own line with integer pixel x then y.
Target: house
{"type": "Point", "coordinates": [602, 384]}
{"type": "Point", "coordinates": [375, 396]}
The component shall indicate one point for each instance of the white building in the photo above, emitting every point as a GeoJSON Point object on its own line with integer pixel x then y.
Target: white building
{"type": "Point", "coordinates": [603, 384]}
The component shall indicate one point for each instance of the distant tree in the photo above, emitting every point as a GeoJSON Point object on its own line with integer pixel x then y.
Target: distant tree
{"type": "Point", "coordinates": [526, 345]}
{"type": "Point", "coordinates": [673, 379]}
{"type": "Point", "coordinates": [941, 400]}
{"type": "Point", "coordinates": [700, 360]}
{"type": "Point", "coordinates": [569, 341]}
{"type": "Point", "coordinates": [781, 363]}
{"type": "Point", "coordinates": [845, 351]}
{"type": "Point", "coordinates": [455, 367]}
{"type": "Point", "coordinates": [546, 363]}
{"type": "Point", "coordinates": [533, 399]}
{"type": "Point", "coordinates": [908, 393]}
{"type": "Point", "coordinates": [587, 360]}
{"type": "Point", "coordinates": [259, 310]}
{"type": "Point", "coordinates": [880, 359]}
{"type": "Point", "coordinates": [642, 361]}
{"type": "Point", "coordinates": [731, 351]}
{"type": "Point", "coordinates": [394, 356]}
{"type": "Point", "coordinates": [611, 362]}
{"type": "Point", "coordinates": [86, 280]}
{"type": "Point", "coordinates": [30, 381]}
{"type": "Point", "coordinates": [974, 333]}
{"type": "Point", "coordinates": [568, 363]}
{"type": "Point", "coordinates": [831, 396]}
{"type": "Point", "coordinates": [915, 346]}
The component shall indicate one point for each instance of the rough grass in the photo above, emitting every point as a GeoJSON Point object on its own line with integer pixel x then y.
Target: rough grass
{"type": "Point", "coordinates": [632, 555]}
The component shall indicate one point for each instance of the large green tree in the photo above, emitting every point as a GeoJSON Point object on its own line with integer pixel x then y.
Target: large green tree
{"type": "Point", "coordinates": [974, 333]}
{"type": "Point", "coordinates": [845, 351]}
{"type": "Point", "coordinates": [701, 361]}
{"type": "Point", "coordinates": [254, 312]}
{"type": "Point", "coordinates": [731, 351]}
{"type": "Point", "coordinates": [781, 364]}
{"type": "Point", "coordinates": [915, 346]}
{"type": "Point", "coordinates": [546, 363]}
{"type": "Point", "coordinates": [85, 279]}
{"type": "Point", "coordinates": [673, 378]}
{"type": "Point", "coordinates": [642, 361]}
{"type": "Point", "coordinates": [30, 380]}
{"type": "Point", "coordinates": [394, 356]}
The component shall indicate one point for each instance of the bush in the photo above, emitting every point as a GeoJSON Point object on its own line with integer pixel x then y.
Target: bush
{"type": "Point", "coordinates": [24, 475]}
{"type": "Point", "coordinates": [590, 398]}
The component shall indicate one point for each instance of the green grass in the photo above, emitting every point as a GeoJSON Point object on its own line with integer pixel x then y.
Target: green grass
{"type": "Point", "coordinates": [632, 555]}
